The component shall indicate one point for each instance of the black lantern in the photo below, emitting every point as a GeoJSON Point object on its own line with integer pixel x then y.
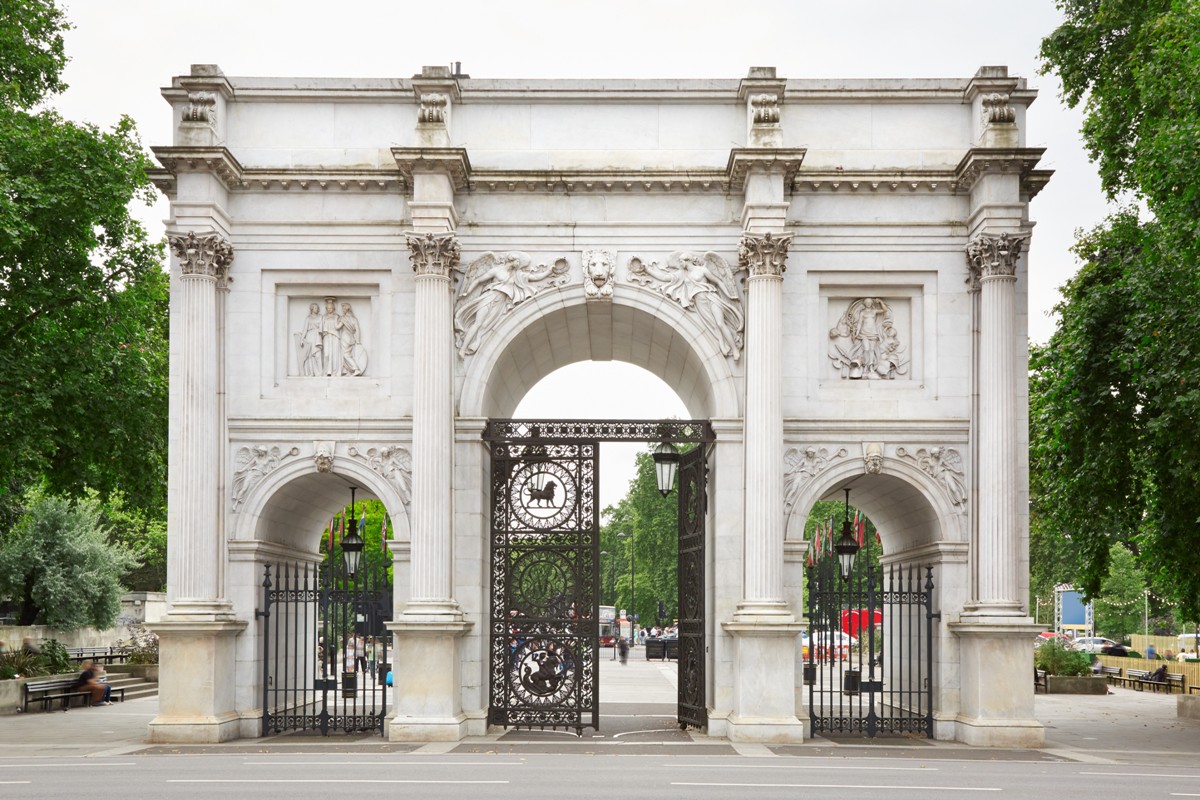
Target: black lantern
{"type": "Point", "coordinates": [352, 543]}
{"type": "Point", "coordinates": [847, 546]}
{"type": "Point", "coordinates": [666, 462]}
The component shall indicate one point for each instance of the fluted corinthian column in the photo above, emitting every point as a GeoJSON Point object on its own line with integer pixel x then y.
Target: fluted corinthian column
{"type": "Point", "coordinates": [193, 566]}
{"type": "Point", "coordinates": [993, 262]}
{"type": "Point", "coordinates": [434, 256]}
{"type": "Point", "coordinates": [764, 256]}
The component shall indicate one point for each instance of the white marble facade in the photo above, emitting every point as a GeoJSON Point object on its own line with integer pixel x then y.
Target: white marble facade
{"type": "Point", "coordinates": [833, 272]}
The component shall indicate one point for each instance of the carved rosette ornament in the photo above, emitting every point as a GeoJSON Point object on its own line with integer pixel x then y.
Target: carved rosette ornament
{"type": "Point", "coordinates": [205, 255]}
{"type": "Point", "coordinates": [766, 109]}
{"type": "Point", "coordinates": [251, 465]}
{"type": "Point", "coordinates": [433, 108]}
{"type": "Point", "coordinates": [944, 465]}
{"type": "Point", "coordinates": [801, 466]}
{"type": "Point", "coordinates": [202, 108]}
{"type": "Point", "coordinates": [393, 463]}
{"type": "Point", "coordinates": [993, 256]}
{"type": "Point", "coordinates": [433, 254]}
{"type": "Point", "coordinates": [764, 255]}
{"type": "Point", "coordinates": [997, 110]}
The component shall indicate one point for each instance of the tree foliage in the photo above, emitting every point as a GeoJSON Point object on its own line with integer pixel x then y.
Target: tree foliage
{"type": "Point", "coordinates": [59, 567]}
{"type": "Point", "coordinates": [83, 314]}
{"type": "Point", "coordinates": [1115, 393]}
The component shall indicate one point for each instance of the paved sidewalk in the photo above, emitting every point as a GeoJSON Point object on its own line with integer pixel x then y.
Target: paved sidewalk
{"type": "Point", "coordinates": [638, 717]}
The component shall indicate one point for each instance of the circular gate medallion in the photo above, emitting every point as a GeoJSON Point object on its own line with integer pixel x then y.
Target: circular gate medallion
{"type": "Point", "coordinates": [540, 581]}
{"type": "Point", "coordinates": [542, 672]}
{"type": "Point", "coordinates": [543, 495]}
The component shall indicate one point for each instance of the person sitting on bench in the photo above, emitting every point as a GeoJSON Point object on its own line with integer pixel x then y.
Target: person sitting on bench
{"type": "Point", "coordinates": [1159, 675]}
{"type": "Point", "coordinates": [89, 679]}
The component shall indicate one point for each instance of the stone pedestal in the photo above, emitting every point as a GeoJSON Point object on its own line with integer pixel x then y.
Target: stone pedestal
{"type": "Point", "coordinates": [197, 678]}
{"type": "Point", "coordinates": [427, 681]}
{"type": "Point", "coordinates": [997, 683]}
{"type": "Point", "coordinates": [764, 677]}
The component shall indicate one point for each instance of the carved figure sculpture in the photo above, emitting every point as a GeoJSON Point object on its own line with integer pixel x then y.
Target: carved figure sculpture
{"type": "Point", "coordinates": [323, 456]}
{"type": "Point", "coordinates": [331, 343]}
{"type": "Point", "coordinates": [945, 465]}
{"type": "Point", "coordinates": [251, 465]}
{"type": "Point", "coordinates": [493, 285]}
{"type": "Point", "coordinates": [800, 466]}
{"type": "Point", "coordinates": [354, 355]}
{"type": "Point", "coordinates": [597, 274]}
{"type": "Point", "coordinates": [703, 284]}
{"type": "Point", "coordinates": [308, 344]}
{"type": "Point", "coordinates": [391, 462]}
{"type": "Point", "coordinates": [865, 344]}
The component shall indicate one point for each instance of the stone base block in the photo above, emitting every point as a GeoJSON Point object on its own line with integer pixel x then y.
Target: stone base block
{"type": "Point", "coordinates": [1000, 733]}
{"type": "Point", "coordinates": [1188, 706]}
{"type": "Point", "coordinates": [764, 690]}
{"type": "Point", "coordinates": [765, 731]}
{"type": "Point", "coordinates": [427, 680]}
{"type": "Point", "coordinates": [196, 729]}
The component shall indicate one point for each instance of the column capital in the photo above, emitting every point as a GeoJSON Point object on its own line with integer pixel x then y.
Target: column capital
{"type": "Point", "coordinates": [207, 255]}
{"type": "Point", "coordinates": [990, 256]}
{"type": "Point", "coordinates": [433, 254]}
{"type": "Point", "coordinates": [765, 254]}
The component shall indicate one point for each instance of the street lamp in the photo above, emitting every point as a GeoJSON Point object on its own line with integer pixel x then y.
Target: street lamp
{"type": "Point", "coordinates": [632, 581]}
{"type": "Point", "coordinates": [666, 462]}
{"type": "Point", "coordinates": [847, 546]}
{"type": "Point", "coordinates": [352, 543]}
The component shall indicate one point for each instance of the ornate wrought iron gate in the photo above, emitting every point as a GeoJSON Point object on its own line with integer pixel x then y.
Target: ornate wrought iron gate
{"type": "Point", "coordinates": [545, 641]}
{"type": "Point", "coordinates": [693, 505]}
{"type": "Point", "coordinates": [545, 568]}
{"type": "Point", "coordinates": [310, 682]}
{"type": "Point", "coordinates": [870, 650]}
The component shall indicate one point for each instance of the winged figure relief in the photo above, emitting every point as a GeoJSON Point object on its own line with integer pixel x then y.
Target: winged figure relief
{"type": "Point", "coordinates": [494, 284]}
{"type": "Point", "coordinates": [700, 283]}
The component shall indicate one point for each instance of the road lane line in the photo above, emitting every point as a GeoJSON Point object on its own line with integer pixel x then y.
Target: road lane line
{"type": "Point", "coordinates": [1141, 774]}
{"type": "Point", "coordinates": [314, 780]}
{"type": "Point", "coordinates": [887, 787]}
{"type": "Point", "coordinates": [801, 766]}
{"type": "Point", "coordinates": [57, 765]}
{"type": "Point", "coordinates": [447, 763]}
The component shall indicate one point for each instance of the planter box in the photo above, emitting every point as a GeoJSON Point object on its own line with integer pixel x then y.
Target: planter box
{"type": "Point", "coordinates": [147, 672]}
{"type": "Point", "coordinates": [1188, 706]}
{"type": "Point", "coordinates": [1076, 684]}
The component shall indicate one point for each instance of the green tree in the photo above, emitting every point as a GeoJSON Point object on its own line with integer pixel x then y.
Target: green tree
{"type": "Point", "coordinates": [643, 526]}
{"type": "Point", "coordinates": [83, 333]}
{"type": "Point", "coordinates": [370, 514]}
{"type": "Point", "coordinates": [60, 568]}
{"type": "Point", "coordinates": [1115, 394]}
{"type": "Point", "coordinates": [1120, 607]}
{"type": "Point", "coordinates": [142, 534]}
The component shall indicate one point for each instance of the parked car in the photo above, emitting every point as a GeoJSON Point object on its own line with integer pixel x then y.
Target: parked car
{"type": "Point", "coordinates": [1046, 636]}
{"type": "Point", "coordinates": [1091, 644]}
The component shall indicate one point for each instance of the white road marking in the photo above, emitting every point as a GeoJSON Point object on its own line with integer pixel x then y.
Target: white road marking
{"type": "Point", "coordinates": [803, 766]}
{"type": "Point", "coordinates": [393, 763]}
{"type": "Point", "coordinates": [311, 780]}
{"type": "Point", "coordinates": [9, 783]}
{"type": "Point", "coordinates": [90, 764]}
{"type": "Point", "coordinates": [631, 733]}
{"type": "Point", "coordinates": [888, 787]}
{"type": "Point", "coordinates": [1142, 774]}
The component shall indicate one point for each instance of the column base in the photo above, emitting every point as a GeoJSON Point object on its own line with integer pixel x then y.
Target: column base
{"type": "Point", "coordinates": [197, 680]}
{"type": "Point", "coordinates": [764, 678]}
{"type": "Point", "coordinates": [427, 676]}
{"type": "Point", "coordinates": [996, 665]}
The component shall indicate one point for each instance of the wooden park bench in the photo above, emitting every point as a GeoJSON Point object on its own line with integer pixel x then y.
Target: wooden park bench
{"type": "Point", "coordinates": [1039, 681]}
{"type": "Point", "coordinates": [1174, 681]}
{"type": "Point", "coordinates": [100, 655]}
{"type": "Point", "coordinates": [1133, 678]}
{"type": "Point", "coordinates": [61, 689]}
{"type": "Point", "coordinates": [1113, 674]}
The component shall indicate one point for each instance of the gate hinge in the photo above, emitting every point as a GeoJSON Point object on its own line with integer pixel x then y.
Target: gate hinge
{"type": "Point", "coordinates": [935, 615]}
{"type": "Point", "coordinates": [258, 614]}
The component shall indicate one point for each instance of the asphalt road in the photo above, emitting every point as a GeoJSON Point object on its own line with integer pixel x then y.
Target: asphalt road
{"type": "Point", "coordinates": [565, 775]}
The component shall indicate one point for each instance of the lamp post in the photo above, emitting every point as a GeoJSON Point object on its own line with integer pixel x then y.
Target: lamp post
{"type": "Point", "coordinates": [632, 581]}
{"type": "Point", "coordinates": [352, 543]}
{"type": "Point", "coordinates": [846, 546]}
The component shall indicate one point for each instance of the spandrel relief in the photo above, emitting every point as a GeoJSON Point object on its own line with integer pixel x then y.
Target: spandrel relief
{"type": "Point", "coordinates": [494, 284]}
{"type": "Point", "coordinates": [703, 284]}
{"type": "Point", "coordinates": [865, 343]}
{"type": "Point", "coordinates": [329, 341]}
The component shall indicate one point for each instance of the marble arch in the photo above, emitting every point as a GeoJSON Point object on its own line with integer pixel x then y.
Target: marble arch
{"type": "Point", "coordinates": [802, 260]}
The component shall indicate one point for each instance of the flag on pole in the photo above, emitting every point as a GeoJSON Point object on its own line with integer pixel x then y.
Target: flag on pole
{"type": "Point", "coordinates": [858, 529]}
{"type": "Point", "coordinates": [332, 524]}
{"type": "Point", "coordinates": [383, 534]}
{"type": "Point", "coordinates": [877, 539]}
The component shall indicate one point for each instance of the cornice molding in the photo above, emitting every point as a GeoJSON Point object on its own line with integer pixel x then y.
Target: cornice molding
{"type": "Point", "coordinates": [451, 160]}
{"type": "Point", "coordinates": [981, 161]}
{"type": "Point", "coordinates": [215, 160]}
{"type": "Point", "coordinates": [742, 160]}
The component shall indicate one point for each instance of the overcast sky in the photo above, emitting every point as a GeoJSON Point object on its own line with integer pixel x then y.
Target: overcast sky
{"type": "Point", "coordinates": [123, 51]}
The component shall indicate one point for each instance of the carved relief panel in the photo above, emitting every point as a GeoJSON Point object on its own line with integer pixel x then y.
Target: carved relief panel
{"type": "Point", "coordinates": [871, 332]}
{"type": "Point", "coordinates": [329, 335]}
